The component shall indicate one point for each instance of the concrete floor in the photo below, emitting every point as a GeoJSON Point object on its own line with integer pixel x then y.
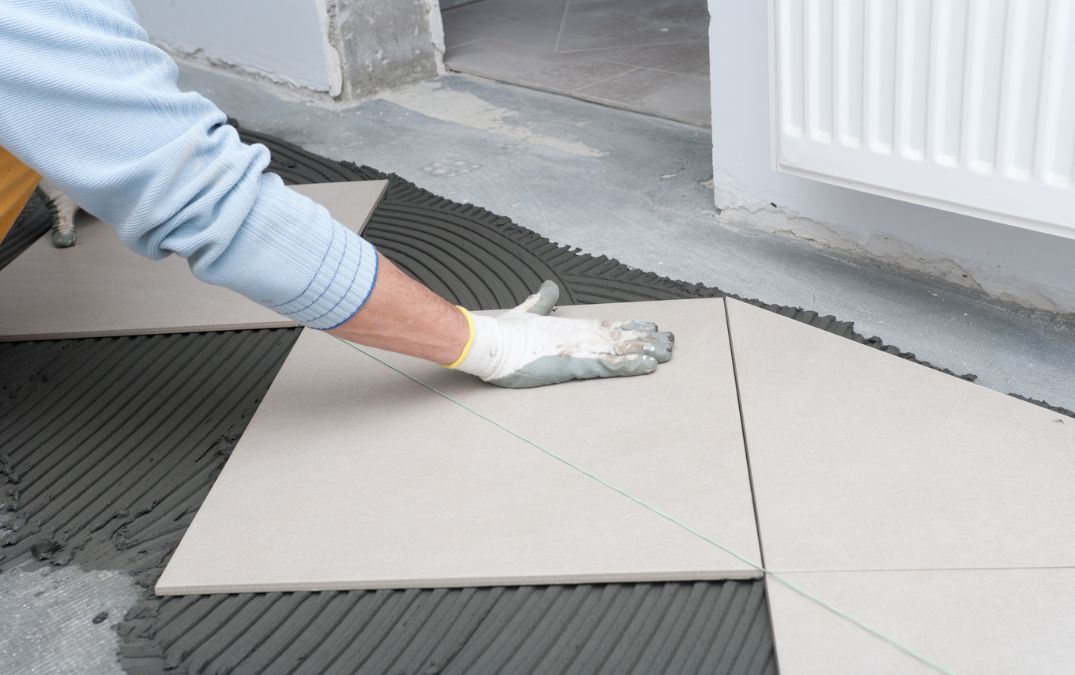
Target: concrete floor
{"type": "Point", "coordinates": [635, 188]}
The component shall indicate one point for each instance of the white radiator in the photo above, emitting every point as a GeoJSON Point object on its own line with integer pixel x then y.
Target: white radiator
{"type": "Point", "coordinates": [965, 105]}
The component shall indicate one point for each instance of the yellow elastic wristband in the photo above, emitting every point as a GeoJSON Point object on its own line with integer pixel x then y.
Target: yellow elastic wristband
{"type": "Point", "coordinates": [470, 340]}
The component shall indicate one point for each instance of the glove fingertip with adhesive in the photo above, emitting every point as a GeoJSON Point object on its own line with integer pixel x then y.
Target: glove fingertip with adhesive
{"type": "Point", "coordinates": [524, 348]}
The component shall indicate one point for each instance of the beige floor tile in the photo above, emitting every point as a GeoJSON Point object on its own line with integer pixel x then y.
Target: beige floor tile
{"type": "Point", "coordinates": [350, 475]}
{"type": "Point", "coordinates": [861, 460]}
{"type": "Point", "coordinates": [964, 621]}
{"type": "Point", "coordinates": [100, 287]}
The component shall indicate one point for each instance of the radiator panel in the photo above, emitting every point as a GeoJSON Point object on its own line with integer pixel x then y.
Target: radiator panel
{"type": "Point", "coordinates": [965, 105]}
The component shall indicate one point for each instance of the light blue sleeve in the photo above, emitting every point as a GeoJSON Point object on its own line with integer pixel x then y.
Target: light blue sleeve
{"type": "Point", "coordinates": [88, 102]}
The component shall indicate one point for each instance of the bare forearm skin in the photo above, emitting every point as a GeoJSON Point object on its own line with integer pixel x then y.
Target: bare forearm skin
{"type": "Point", "coordinates": [404, 316]}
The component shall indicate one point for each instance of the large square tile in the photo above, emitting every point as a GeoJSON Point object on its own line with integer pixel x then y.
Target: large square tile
{"type": "Point", "coordinates": [351, 475]}
{"type": "Point", "coordinates": [864, 461]}
{"type": "Point", "coordinates": [530, 67]}
{"type": "Point", "coordinates": [677, 97]}
{"type": "Point", "coordinates": [601, 24]}
{"type": "Point", "coordinates": [963, 621]}
{"type": "Point", "coordinates": [100, 287]}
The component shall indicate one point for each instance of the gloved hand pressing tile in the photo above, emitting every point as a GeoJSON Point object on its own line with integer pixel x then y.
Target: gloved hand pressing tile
{"type": "Point", "coordinates": [525, 347]}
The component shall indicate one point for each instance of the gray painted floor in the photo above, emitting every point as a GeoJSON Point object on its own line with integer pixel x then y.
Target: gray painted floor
{"type": "Point", "coordinates": [634, 187]}
{"type": "Point", "coordinates": [62, 620]}
{"type": "Point", "coordinates": [650, 56]}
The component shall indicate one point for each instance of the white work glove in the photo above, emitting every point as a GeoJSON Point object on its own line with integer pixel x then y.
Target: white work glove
{"type": "Point", "coordinates": [524, 347]}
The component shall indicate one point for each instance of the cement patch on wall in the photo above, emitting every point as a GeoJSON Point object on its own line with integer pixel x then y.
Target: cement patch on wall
{"type": "Point", "coordinates": [385, 43]}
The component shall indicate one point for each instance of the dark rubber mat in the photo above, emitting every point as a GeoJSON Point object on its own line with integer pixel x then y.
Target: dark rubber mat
{"type": "Point", "coordinates": [33, 221]}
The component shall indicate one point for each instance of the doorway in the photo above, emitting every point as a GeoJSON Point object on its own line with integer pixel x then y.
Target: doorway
{"type": "Point", "coordinates": [648, 56]}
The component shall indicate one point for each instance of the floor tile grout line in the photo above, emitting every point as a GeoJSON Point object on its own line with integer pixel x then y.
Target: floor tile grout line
{"type": "Point", "coordinates": [464, 44]}
{"type": "Point", "coordinates": [605, 49]}
{"type": "Point", "coordinates": [563, 22]}
{"type": "Point", "coordinates": [656, 70]}
{"type": "Point", "coordinates": [743, 429]}
{"type": "Point", "coordinates": [750, 473]}
{"type": "Point", "coordinates": [604, 80]}
{"type": "Point", "coordinates": [658, 512]}
{"type": "Point", "coordinates": [912, 570]}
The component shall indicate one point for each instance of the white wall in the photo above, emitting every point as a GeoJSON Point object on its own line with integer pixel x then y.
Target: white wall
{"type": "Point", "coordinates": [343, 48]}
{"type": "Point", "coordinates": [1006, 262]}
{"type": "Point", "coordinates": [283, 40]}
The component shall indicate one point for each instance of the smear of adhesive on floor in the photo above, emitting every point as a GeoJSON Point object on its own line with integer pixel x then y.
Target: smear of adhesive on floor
{"type": "Point", "coordinates": [62, 620]}
{"type": "Point", "coordinates": [436, 101]}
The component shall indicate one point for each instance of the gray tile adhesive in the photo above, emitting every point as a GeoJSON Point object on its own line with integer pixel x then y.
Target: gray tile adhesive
{"type": "Point", "coordinates": [109, 445]}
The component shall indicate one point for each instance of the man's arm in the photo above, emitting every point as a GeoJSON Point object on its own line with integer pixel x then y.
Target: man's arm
{"type": "Point", "coordinates": [89, 103]}
{"type": "Point", "coordinates": [523, 347]}
{"type": "Point", "coordinates": [404, 316]}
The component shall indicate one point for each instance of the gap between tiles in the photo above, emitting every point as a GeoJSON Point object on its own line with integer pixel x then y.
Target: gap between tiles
{"type": "Point", "coordinates": [583, 95]}
{"type": "Point", "coordinates": [563, 22]}
{"type": "Point", "coordinates": [743, 431]}
{"type": "Point", "coordinates": [767, 576]}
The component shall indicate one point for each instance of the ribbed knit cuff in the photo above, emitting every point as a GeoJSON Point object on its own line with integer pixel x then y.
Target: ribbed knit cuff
{"type": "Point", "coordinates": [293, 258]}
{"type": "Point", "coordinates": [340, 284]}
